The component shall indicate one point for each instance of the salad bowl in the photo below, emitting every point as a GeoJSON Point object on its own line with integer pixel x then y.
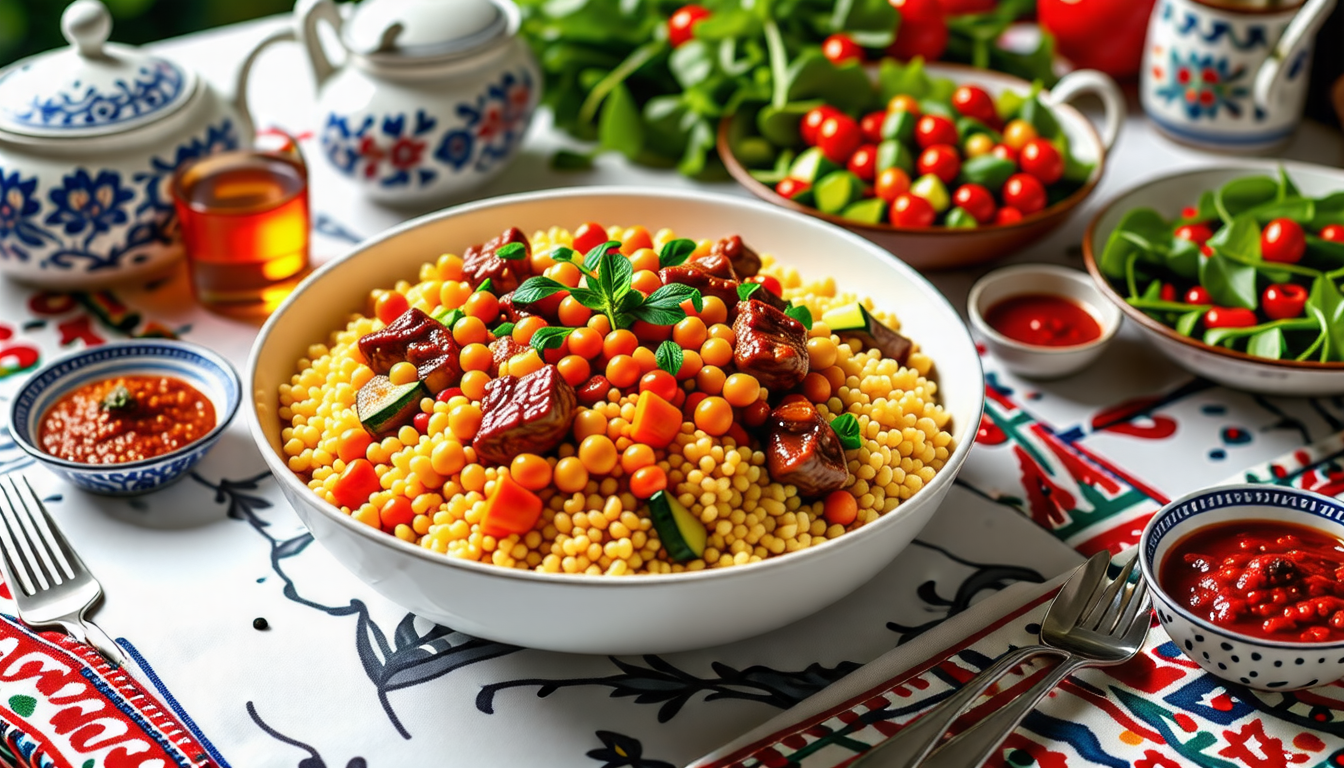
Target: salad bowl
{"type": "Point", "coordinates": [1233, 368]}
{"type": "Point", "coordinates": [939, 248]}
{"type": "Point", "coordinates": [574, 612]}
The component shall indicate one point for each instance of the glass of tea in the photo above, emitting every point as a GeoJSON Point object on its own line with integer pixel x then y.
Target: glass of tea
{"type": "Point", "coordinates": [244, 222]}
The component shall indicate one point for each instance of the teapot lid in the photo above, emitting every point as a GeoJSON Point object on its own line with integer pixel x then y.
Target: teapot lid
{"type": "Point", "coordinates": [412, 31]}
{"type": "Point", "coordinates": [92, 88]}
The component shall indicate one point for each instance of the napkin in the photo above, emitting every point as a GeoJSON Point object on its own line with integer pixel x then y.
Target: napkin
{"type": "Point", "coordinates": [1159, 710]}
{"type": "Point", "coordinates": [62, 704]}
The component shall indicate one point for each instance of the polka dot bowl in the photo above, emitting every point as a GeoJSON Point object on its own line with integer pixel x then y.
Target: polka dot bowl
{"type": "Point", "coordinates": [208, 372]}
{"type": "Point", "coordinates": [1271, 665]}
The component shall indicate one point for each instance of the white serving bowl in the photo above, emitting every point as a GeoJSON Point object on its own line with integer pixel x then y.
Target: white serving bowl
{"type": "Point", "coordinates": [1031, 360]}
{"type": "Point", "coordinates": [575, 613]}
{"type": "Point", "coordinates": [1167, 195]}
{"type": "Point", "coordinates": [1271, 665]}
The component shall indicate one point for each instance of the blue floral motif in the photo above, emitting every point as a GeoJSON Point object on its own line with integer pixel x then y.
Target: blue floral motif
{"type": "Point", "coordinates": [87, 202]}
{"type": "Point", "coordinates": [154, 86]}
{"type": "Point", "coordinates": [390, 150]}
{"type": "Point", "coordinates": [1204, 85]}
{"type": "Point", "coordinates": [161, 224]}
{"type": "Point", "coordinates": [18, 204]}
{"type": "Point", "coordinates": [1256, 34]}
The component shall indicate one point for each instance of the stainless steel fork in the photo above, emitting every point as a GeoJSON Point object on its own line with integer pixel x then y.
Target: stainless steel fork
{"type": "Point", "coordinates": [50, 584]}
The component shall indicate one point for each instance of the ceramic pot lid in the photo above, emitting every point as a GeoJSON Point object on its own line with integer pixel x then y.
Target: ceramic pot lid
{"type": "Point", "coordinates": [415, 31]}
{"type": "Point", "coordinates": [92, 88]}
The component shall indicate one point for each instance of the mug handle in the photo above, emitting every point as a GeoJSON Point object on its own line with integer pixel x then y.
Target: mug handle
{"type": "Point", "coordinates": [1298, 34]}
{"type": "Point", "coordinates": [246, 127]}
{"type": "Point", "coordinates": [1085, 81]}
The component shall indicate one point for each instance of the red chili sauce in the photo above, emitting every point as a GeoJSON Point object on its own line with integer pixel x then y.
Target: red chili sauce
{"type": "Point", "coordinates": [1044, 320]}
{"type": "Point", "coordinates": [1276, 580]}
{"type": "Point", "coordinates": [126, 418]}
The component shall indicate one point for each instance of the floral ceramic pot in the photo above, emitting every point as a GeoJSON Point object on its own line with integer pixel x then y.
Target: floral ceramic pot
{"type": "Point", "coordinates": [89, 138]}
{"type": "Point", "coordinates": [1228, 77]}
{"type": "Point", "coordinates": [433, 100]}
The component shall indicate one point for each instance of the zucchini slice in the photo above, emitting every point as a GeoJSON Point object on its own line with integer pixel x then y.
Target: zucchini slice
{"type": "Point", "coordinates": [811, 165]}
{"type": "Point", "coordinates": [854, 320]}
{"type": "Point", "coordinates": [682, 533]}
{"type": "Point", "coordinates": [384, 407]}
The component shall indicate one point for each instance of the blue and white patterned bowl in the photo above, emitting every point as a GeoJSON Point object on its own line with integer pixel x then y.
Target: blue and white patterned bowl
{"type": "Point", "coordinates": [1271, 665]}
{"type": "Point", "coordinates": [209, 373]}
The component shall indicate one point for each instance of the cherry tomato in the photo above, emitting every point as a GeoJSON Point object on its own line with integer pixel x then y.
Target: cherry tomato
{"type": "Point", "coordinates": [1098, 34]}
{"type": "Point", "coordinates": [1206, 250]}
{"type": "Point", "coordinates": [1004, 152]}
{"type": "Point", "coordinates": [934, 129]}
{"type": "Point", "coordinates": [838, 137]}
{"type": "Point", "coordinates": [588, 236]}
{"type": "Point", "coordinates": [922, 32]}
{"type": "Point", "coordinates": [1283, 241]}
{"type": "Point", "coordinates": [892, 183]}
{"type": "Point", "coordinates": [1189, 212]}
{"type": "Point", "coordinates": [1198, 295]}
{"type": "Point", "coordinates": [863, 163]}
{"type": "Point", "coordinates": [791, 188]}
{"type": "Point", "coordinates": [1229, 317]}
{"type": "Point", "coordinates": [1007, 215]}
{"type": "Point", "coordinates": [910, 211]}
{"type": "Point", "coordinates": [1024, 192]}
{"type": "Point", "coordinates": [1042, 160]}
{"type": "Point", "coordinates": [767, 282]}
{"type": "Point", "coordinates": [941, 160]}
{"type": "Point", "coordinates": [975, 102]}
{"type": "Point", "coordinates": [840, 49]}
{"type": "Point", "coordinates": [1167, 292]}
{"type": "Point", "coordinates": [811, 122]}
{"type": "Point", "coordinates": [1332, 232]}
{"type": "Point", "coordinates": [660, 383]}
{"type": "Point", "coordinates": [1017, 133]}
{"type": "Point", "coordinates": [390, 306]}
{"type": "Point", "coordinates": [421, 423]}
{"type": "Point", "coordinates": [679, 26]}
{"type": "Point", "coordinates": [871, 126]}
{"type": "Point", "coordinates": [647, 481]}
{"type": "Point", "coordinates": [976, 200]}
{"type": "Point", "coordinates": [960, 7]}
{"type": "Point", "coordinates": [1284, 300]}
{"type": "Point", "coordinates": [904, 102]}
{"type": "Point", "coordinates": [1195, 233]}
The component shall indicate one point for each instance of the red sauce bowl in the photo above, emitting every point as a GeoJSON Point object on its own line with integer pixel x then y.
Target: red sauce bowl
{"type": "Point", "coordinates": [1202, 522]}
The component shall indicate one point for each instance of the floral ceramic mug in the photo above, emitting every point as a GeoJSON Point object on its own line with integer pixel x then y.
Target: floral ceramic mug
{"type": "Point", "coordinates": [1231, 78]}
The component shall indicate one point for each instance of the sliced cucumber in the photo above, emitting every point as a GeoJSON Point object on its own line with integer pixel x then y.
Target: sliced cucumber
{"type": "Point", "coordinates": [870, 211]}
{"type": "Point", "coordinates": [892, 153]}
{"type": "Point", "coordinates": [960, 218]}
{"type": "Point", "coordinates": [384, 407]}
{"type": "Point", "coordinates": [682, 533]}
{"type": "Point", "coordinates": [931, 188]}
{"type": "Point", "coordinates": [854, 320]}
{"type": "Point", "coordinates": [899, 125]}
{"type": "Point", "coordinates": [811, 165]}
{"type": "Point", "coordinates": [837, 190]}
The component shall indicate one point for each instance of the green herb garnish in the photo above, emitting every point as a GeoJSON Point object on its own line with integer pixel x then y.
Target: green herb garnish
{"type": "Point", "coordinates": [550, 337]}
{"type": "Point", "coordinates": [118, 399]}
{"type": "Point", "coordinates": [801, 314]}
{"type": "Point", "coordinates": [847, 429]}
{"type": "Point", "coordinates": [503, 329]}
{"type": "Point", "coordinates": [744, 290]}
{"type": "Point", "coordinates": [669, 356]}
{"type": "Point", "coordinates": [512, 252]}
{"type": "Point", "coordinates": [676, 252]}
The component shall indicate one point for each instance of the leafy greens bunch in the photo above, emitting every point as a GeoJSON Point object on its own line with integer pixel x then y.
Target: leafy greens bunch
{"type": "Point", "coordinates": [1160, 272]}
{"type": "Point", "coordinates": [611, 74]}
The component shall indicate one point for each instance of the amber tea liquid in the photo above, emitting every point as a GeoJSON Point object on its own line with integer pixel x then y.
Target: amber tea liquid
{"type": "Point", "coordinates": [244, 219]}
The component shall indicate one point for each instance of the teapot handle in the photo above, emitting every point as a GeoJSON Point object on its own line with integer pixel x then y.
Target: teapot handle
{"type": "Point", "coordinates": [246, 128]}
{"type": "Point", "coordinates": [1295, 37]}
{"type": "Point", "coordinates": [309, 13]}
{"type": "Point", "coordinates": [1084, 81]}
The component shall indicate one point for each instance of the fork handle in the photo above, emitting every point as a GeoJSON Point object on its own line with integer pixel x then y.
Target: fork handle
{"type": "Point", "coordinates": [971, 748]}
{"type": "Point", "coordinates": [82, 630]}
{"type": "Point", "coordinates": [915, 740]}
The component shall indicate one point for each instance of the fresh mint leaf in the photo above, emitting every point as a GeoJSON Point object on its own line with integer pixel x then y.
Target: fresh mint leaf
{"type": "Point", "coordinates": [588, 298]}
{"type": "Point", "coordinates": [512, 252]}
{"type": "Point", "coordinates": [503, 329]}
{"type": "Point", "coordinates": [549, 337]}
{"type": "Point", "coordinates": [744, 290]}
{"type": "Point", "coordinates": [847, 429]}
{"type": "Point", "coordinates": [801, 314]}
{"type": "Point", "coordinates": [537, 288]}
{"type": "Point", "coordinates": [658, 315]}
{"type": "Point", "coordinates": [591, 259]}
{"type": "Point", "coordinates": [676, 252]}
{"type": "Point", "coordinates": [672, 295]}
{"type": "Point", "coordinates": [449, 317]}
{"type": "Point", "coordinates": [562, 253]}
{"type": "Point", "coordinates": [669, 356]}
{"type": "Point", "coordinates": [486, 285]}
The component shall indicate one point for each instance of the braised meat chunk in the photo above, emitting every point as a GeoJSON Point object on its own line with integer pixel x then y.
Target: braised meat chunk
{"type": "Point", "coordinates": [706, 282]}
{"type": "Point", "coordinates": [715, 264]}
{"type": "Point", "coordinates": [770, 345]}
{"type": "Point", "coordinates": [804, 451]}
{"type": "Point", "coordinates": [480, 263]}
{"type": "Point", "coordinates": [745, 261]}
{"type": "Point", "coordinates": [420, 340]}
{"type": "Point", "coordinates": [528, 415]}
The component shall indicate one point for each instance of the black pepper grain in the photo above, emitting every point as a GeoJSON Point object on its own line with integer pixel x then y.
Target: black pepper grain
{"type": "Point", "coordinates": [260, 623]}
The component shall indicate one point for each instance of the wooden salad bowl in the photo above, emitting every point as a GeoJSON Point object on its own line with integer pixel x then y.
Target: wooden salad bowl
{"type": "Point", "coordinates": [939, 248]}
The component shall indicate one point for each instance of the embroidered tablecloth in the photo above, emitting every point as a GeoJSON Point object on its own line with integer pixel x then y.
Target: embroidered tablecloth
{"type": "Point", "coordinates": [341, 677]}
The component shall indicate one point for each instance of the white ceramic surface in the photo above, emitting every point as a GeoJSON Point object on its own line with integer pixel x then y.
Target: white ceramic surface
{"type": "Point", "coordinates": [1271, 665]}
{"type": "Point", "coordinates": [84, 198]}
{"type": "Point", "coordinates": [1168, 194]}
{"type": "Point", "coordinates": [1031, 360]}
{"type": "Point", "coordinates": [1227, 79]}
{"type": "Point", "coordinates": [415, 124]}
{"type": "Point", "coordinates": [575, 613]}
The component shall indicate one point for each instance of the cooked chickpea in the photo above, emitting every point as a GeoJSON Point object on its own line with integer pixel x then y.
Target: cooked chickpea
{"type": "Point", "coordinates": [717, 352]}
{"type": "Point", "coordinates": [483, 305]}
{"type": "Point", "coordinates": [570, 475]}
{"type": "Point", "coordinates": [402, 373]}
{"type": "Point", "coordinates": [636, 456]}
{"type": "Point", "coordinates": [473, 384]}
{"type": "Point", "coordinates": [464, 421]}
{"type": "Point", "coordinates": [714, 415]}
{"type": "Point", "coordinates": [741, 390]}
{"type": "Point", "coordinates": [816, 387]}
{"type": "Point", "coordinates": [469, 330]}
{"type": "Point", "coordinates": [690, 332]}
{"type": "Point", "coordinates": [710, 380]}
{"type": "Point", "coordinates": [598, 454]}
{"type": "Point", "coordinates": [821, 353]}
{"type": "Point", "coordinates": [531, 471]}
{"type": "Point", "coordinates": [589, 422]}
{"type": "Point", "coordinates": [722, 331]}
{"type": "Point", "coordinates": [714, 311]}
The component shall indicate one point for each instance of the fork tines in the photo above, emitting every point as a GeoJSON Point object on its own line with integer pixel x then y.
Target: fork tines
{"type": "Point", "coordinates": [36, 555]}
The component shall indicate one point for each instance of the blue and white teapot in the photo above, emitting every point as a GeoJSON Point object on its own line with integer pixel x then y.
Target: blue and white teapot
{"type": "Point", "coordinates": [433, 97]}
{"type": "Point", "coordinates": [89, 138]}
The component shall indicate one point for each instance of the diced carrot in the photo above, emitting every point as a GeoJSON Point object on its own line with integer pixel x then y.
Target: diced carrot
{"type": "Point", "coordinates": [352, 444]}
{"type": "Point", "coordinates": [357, 483]}
{"type": "Point", "coordinates": [510, 509]}
{"type": "Point", "coordinates": [656, 421]}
